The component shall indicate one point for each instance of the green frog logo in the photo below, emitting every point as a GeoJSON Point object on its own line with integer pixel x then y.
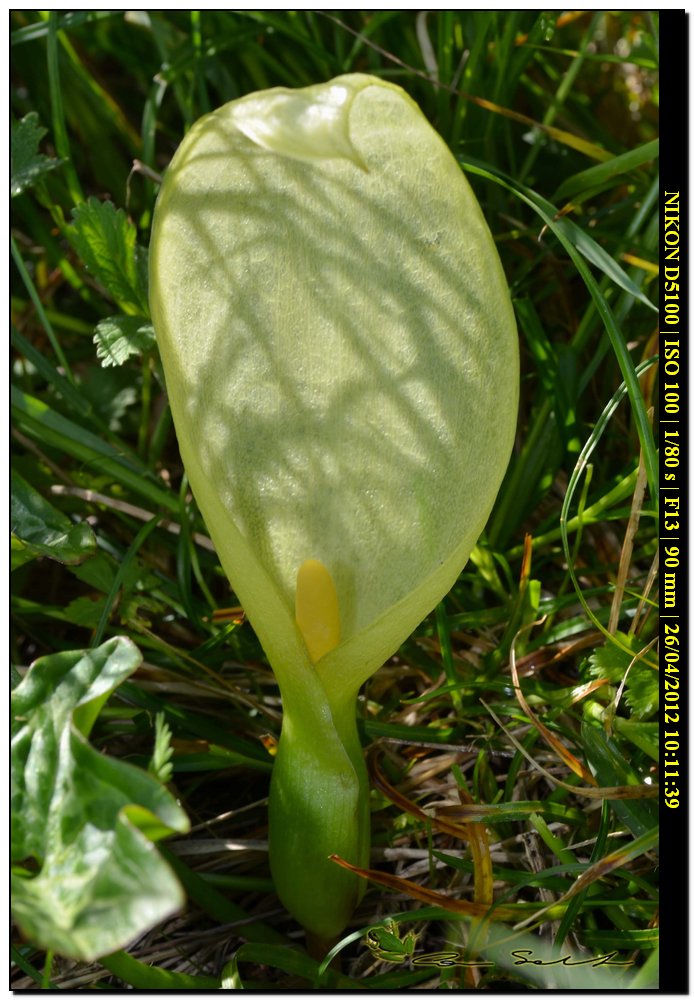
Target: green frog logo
{"type": "Point", "coordinates": [384, 942]}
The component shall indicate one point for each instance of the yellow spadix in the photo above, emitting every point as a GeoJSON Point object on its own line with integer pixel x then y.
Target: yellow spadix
{"type": "Point", "coordinates": [317, 609]}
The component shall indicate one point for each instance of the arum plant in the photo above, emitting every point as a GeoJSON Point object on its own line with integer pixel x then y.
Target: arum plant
{"type": "Point", "coordinates": [342, 365]}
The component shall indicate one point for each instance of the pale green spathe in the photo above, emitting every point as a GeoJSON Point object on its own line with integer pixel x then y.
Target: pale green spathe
{"type": "Point", "coordinates": [342, 363]}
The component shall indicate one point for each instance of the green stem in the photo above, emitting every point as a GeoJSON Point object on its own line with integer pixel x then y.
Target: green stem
{"type": "Point", "coordinates": [319, 805]}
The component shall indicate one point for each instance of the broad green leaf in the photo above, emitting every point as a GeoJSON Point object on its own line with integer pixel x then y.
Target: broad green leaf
{"type": "Point", "coordinates": [28, 165]}
{"type": "Point", "coordinates": [105, 239]}
{"type": "Point", "coordinates": [340, 354]}
{"type": "Point", "coordinates": [119, 337]}
{"type": "Point", "coordinates": [87, 820]}
{"type": "Point", "coordinates": [40, 529]}
{"type": "Point", "coordinates": [341, 359]}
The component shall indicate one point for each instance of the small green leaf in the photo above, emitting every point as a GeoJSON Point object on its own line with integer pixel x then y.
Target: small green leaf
{"type": "Point", "coordinates": [105, 239]}
{"type": "Point", "coordinates": [119, 337]}
{"type": "Point", "coordinates": [613, 662]}
{"type": "Point", "coordinates": [28, 165]}
{"type": "Point", "coordinates": [39, 529]}
{"type": "Point", "coordinates": [84, 611]}
{"type": "Point", "coordinates": [100, 572]}
{"type": "Point", "coordinates": [87, 819]}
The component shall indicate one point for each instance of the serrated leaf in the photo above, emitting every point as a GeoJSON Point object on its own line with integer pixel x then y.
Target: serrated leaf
{"type": "Point", "coordinates": [84, 611]}
{"type": "Point", "coordinates": [87, 819]}
{"type": "Point", "coordinates": [28, 165]}
{"type": "Point", "coordinates": [40, 529]}
{"type": "Point", "coordinates": [100, 572]}
{"type": "Point", "coordinates": [105, 239]}
{"type": "Point", "coordinates": [612, 662]}
{"type": "Point", "coordinates": [120, 337]}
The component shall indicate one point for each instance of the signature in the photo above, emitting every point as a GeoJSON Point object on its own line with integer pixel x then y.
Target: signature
{"type": "Point", "coordinates": [567, 960]}
{"type": "Point", "coordinates": [448, 959]}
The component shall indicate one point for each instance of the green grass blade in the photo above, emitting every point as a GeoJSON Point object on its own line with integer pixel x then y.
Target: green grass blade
{"type": "Point", "coordinates": [148, 977]}
{"type": "Point", "coordinates": [615, 335]}
{"type": "Point", "coordinates": [588, 448]}
{"type": "Point", "coordinates": [612, 769]}
{"type": "Point", "coordinates": [62, 142]}
{"type": "Point", "coordinates": [33, 32]}
{"type": "Point", "coordinates": [19, 960]}
{"type": "Point", "coordinates": [140, 538]}
{"type": "Point", "coordinates": [220, 907]}
{"type": "Point", "coordinates": [39, 421]}
{"type": "Point", "coordinates": [38, 305]}
{"type": "Point", "coordinates": [288, 960]}
{"type": "Point", "coordinates": [72, 396]}
{"type": "Point", "coordinates": [598, 175]}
